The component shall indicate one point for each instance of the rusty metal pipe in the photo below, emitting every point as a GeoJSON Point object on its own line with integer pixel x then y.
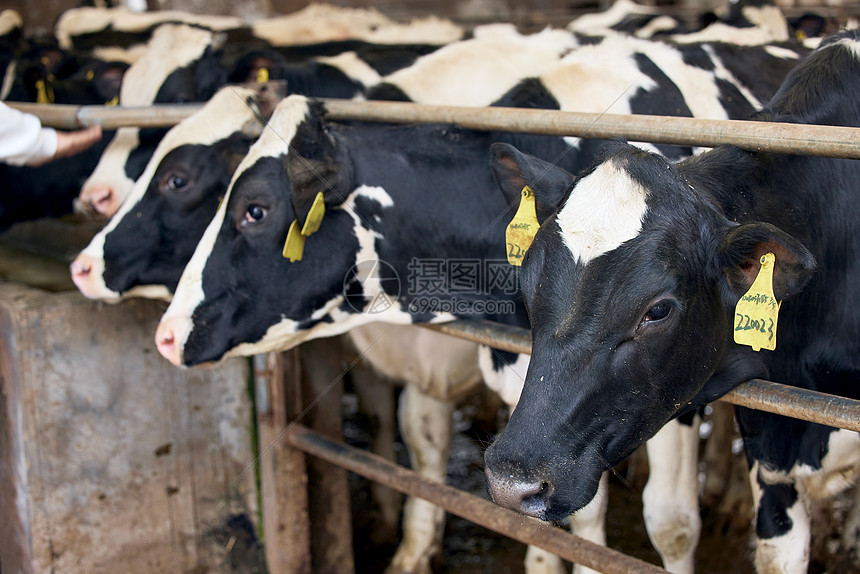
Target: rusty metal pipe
{"type": "Point", "coordinates": [768, 396]}
{"type": "Point", "coordinates": [832, 141]}
{"type": "Point", "coordinates": [512, 524]}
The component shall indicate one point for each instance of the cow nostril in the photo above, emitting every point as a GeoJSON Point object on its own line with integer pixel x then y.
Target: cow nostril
{"type": "Point", "coordinates": [536, 504]}
{"type": "Point", "coordinates": [530, 498]}
{"type": "Point", "coordinates": [80, 269]}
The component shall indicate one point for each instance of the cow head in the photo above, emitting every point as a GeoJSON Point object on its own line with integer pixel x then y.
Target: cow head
{"type": "Point", "coordinates": [180, 65]}
{"type": "Point", "coordinates": [229, 297]}
{"type": "Point", "coordinates": [144, 248]}
{"type": "Point", "coordinates": [630, 288]}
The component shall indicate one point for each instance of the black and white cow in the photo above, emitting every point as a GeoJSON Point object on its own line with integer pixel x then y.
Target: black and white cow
{"type": "Point", "coordinates": [321, 309]}
{"type": "Point", "coordinates": [631, 287]}
{"type": "Point", "coordinates": [189, 63]}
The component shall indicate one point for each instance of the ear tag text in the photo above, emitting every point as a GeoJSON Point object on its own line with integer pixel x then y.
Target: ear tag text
{"type": "Point", "coordinates": [756, 312]}
{"type": "Point", "coordinates": [522, 228]}
{"type": "Point", "coordinates": [295, 245]}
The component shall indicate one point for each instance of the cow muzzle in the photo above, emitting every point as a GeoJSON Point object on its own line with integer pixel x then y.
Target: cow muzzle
{"type": "Point", "coordinates": [531, 497]}
{"type": "Point", "coordinates": [170, 338]}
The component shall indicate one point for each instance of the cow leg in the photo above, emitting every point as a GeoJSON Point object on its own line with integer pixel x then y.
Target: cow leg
{"type": "Point", "coordinates": [670, 499]}
{"type": "Point", "coordinates": [426, 425]}
{"type": "Point", "coordinates": [376, 401]}
{"type": "Point", "coordinates": [782, 523]}
{"type": "Point", "coordinates": [590, 521]}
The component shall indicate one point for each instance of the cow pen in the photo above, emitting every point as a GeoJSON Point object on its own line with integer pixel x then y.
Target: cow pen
{"type": "Point", "coordinates": [281, 404]}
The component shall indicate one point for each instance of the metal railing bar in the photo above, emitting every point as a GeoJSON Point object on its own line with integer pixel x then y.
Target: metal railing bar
{"type": "Point", "coordinates": [483, 512]}
{"type": "Point", "coordinates": [781, 399]}
{"type": "Point", "coordinates": [806, 139]}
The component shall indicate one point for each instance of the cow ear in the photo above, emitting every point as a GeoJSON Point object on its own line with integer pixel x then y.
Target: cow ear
{"type": "Point", "coordinates": [741, 249]}
{"type": "Point", "coordinates": [317, 163]}
{"type": "Point", "coordinates": [513, 170]}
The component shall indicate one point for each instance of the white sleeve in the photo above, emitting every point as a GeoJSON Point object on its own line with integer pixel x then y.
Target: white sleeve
{"type": "Point", "coordinates": [23, 139]}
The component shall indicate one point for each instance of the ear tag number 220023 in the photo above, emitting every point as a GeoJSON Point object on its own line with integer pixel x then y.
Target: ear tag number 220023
{"type": "Point", "coordinates": [522, 228]}
{"type": "Point", "coordinates": [756, 312]}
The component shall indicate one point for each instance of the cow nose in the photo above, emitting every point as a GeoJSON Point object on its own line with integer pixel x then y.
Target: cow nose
{"type": "Point", "coordinates": [167, 339]}
{"type": "Point", "coordinates": [100, 198]}
{"type": "Point", "coordinates": [88, 275]}
{"type": "Point", "coordinates": [529, 497]}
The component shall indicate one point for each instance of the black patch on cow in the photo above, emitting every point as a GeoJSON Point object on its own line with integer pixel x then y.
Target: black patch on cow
{"type": "Point", "coordinates": [388, 92]}
{"type": "Point", "coordinates": [756, 69]}
{"type": "Point", "coordinates": [388, 58]}
{"type": "Point", "coordinates": [666, 99]}
{"type": "Point", "coordinates": [695, 55]}
{"type": "Point", "coordinates": [733, 101]}
{"type": "Point", "coordinates": [773, 519]}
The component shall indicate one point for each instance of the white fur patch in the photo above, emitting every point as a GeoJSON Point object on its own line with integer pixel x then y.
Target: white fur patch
{"type": "Point", "coordinates": [8, 79]}
{"type": "Point", "coordinates": [110, 171]}
{"type": "Point", "coordinates": [479, 71]}
{"type": "Point", "coordinates": [508, 382]}
{"type": "Point", "coordinates": [172, 46]}
{"type": "Point", "coordinates": [430, 30]}
{"type": "Point", "coordinates": [10, 20]}
{"type": "Point", "coordinates": [839, 467]}
{"type": "Point", "coordinates": [88, 19]}
{"type": "Point", "coordinates": [319, 23]}
{"type": "Point", "coordinates": [604, 210]}
{"type": "Point", "coordinates": [719, 32]}
{"type": "Point", "coordinates": [780, 52]}
{"type": "Point", "coordinates": [602, 21]}
{"type": "Point", "coordinates": [353, 67]}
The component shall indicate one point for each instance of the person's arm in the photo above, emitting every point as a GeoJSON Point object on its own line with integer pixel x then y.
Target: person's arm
{"type": "Point", "coordinates": [23, 140]}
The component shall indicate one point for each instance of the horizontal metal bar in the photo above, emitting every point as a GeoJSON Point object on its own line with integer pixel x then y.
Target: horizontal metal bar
{"type": "Point", "coordinates": [70, 117]}
{"type": "Point", "coordinates": [831, 141]}
{"type": "Point", "coordinates": [512, 524]}
{"type": "Point", "coordinates": [805, 139]}
{"type": "Point", "coordinates": [768, 396]}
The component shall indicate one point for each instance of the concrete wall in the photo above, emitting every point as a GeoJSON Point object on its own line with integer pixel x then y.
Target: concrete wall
{"type": "Point", "coordinates": [112, 460]}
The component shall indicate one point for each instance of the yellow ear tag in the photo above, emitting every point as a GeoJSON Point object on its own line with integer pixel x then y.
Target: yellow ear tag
{"type": "Point", "coordinates": [44, 93]}
{"type": "Point", "coordinates": [113, 102]}
{"type": "Point", "coordinates": [295, 244]}
{"type": "Point", "coordinates": [756, 312]}
{"type": "Point", "coordinates": [262, 75]}
{"type": "Point", "coordinates": [315, 215]}
{"type": "Point", "coordinates": [522, 228]}
{"type": "Point", "coordinates": [90, 75]}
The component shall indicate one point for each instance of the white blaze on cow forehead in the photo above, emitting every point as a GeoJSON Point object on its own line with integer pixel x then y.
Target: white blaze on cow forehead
{"type": "Point", "coordinates": [479, 71]}
{"type": "Point", "coordinates": [353, 67]}
{"type": "Point", "coordinates": [604, 210]}
{"type": "Point", "coordinates": [171, 47]}
{"type": "Point", "coordinates": [223, 115]}
{"type": "Point", "coordinates": [281, 130]}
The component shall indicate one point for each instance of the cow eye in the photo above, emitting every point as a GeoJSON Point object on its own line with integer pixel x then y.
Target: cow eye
{"type": "Point", "coordinates": [254, 214]}
{"type": "Point", "coordinates": [174, 182]}
{"type": "Point", "coordinates": [657, 312]}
